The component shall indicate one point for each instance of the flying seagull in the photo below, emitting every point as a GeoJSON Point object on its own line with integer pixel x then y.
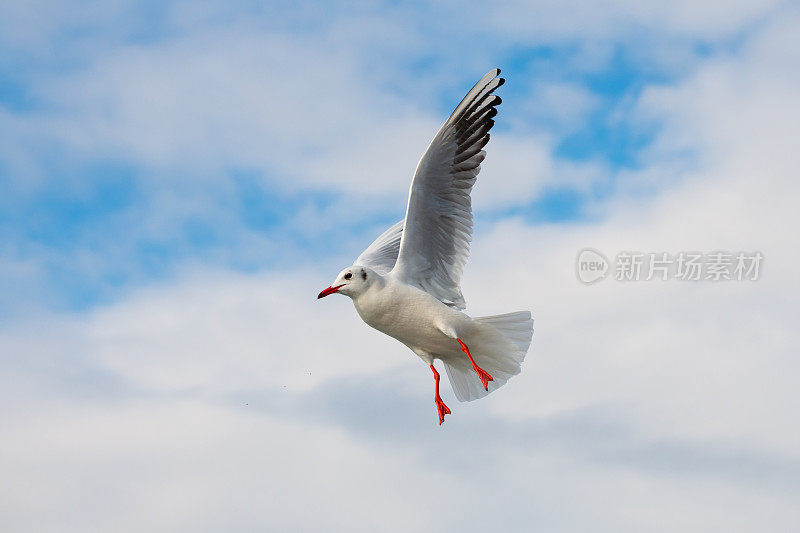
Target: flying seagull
{"type": "Point", "coordinates": [406, 284]}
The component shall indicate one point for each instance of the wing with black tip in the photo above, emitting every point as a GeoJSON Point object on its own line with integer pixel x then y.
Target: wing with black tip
{"type": "Point", "coordinates": [436, 235]}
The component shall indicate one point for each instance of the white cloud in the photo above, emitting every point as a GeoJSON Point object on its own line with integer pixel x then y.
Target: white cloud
{"type": "Point", "coordinates": [186, 465]}
{"type": "Point", "coordinates": [192, 408]}
{"type": "Point", "coordinates": [613, 19]}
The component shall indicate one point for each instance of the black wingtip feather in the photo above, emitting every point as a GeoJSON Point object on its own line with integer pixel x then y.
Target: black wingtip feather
{"type": "Point", "coordinates": [501, 82]}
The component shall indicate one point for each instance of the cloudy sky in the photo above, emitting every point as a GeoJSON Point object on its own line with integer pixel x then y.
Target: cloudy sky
{"type": "Point", "coordinates": [179, 180]}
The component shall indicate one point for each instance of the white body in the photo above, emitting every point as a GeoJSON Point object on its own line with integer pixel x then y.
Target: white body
{"type": "Point", "coordinates": [430, 329]}
{"type": "Point", "coordinates": [413, 317]}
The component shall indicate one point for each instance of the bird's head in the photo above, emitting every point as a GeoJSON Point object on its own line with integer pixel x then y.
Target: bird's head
{"type": "Point", "coordinates": [352, 281]}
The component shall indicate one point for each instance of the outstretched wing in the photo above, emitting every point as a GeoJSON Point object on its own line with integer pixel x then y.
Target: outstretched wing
{"type": "Point", "coordinates": [381, 255]}
{"type": "Point", "coordinates": [438, 226]}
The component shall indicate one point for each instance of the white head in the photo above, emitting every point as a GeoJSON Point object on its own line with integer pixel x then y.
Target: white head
{"type": "Point", "coordinates": [352, 281]}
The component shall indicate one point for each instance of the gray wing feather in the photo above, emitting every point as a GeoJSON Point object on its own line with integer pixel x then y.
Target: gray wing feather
{"type": "Point", "coordinates": [437, 230]}
{"type": "Point", "coordinates": [381, 255]}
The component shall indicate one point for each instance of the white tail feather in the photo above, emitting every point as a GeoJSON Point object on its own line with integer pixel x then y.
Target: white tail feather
{"type": "Point", "coordinates": [498, 344]}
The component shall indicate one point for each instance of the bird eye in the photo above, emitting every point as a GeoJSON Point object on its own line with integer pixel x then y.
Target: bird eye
{"type": "Point", "coordinates": [348, 275]}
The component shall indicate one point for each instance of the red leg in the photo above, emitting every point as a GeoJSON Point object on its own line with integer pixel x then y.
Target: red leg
{"type": "Point", "coordinates": [440, 406]}
{"type": "Point", "coordinates": [484, 375]}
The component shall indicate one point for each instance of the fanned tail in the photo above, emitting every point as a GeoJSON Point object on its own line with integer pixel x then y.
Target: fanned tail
{"type": "Point", "coordinates": [498, 344]}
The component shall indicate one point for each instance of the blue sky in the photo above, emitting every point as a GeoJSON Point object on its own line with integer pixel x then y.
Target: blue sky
{"type": "Point", "coordinates": [180, 179]}
{"type": "Point", "coordinates": [68, 205]}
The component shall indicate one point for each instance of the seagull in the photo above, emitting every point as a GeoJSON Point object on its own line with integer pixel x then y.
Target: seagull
{"type": "Point", "coordinates": [406, 284]}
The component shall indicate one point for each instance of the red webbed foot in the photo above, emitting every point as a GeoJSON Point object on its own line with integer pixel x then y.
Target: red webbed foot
{"type": "Point", "coordinates": [441, 408]}
{"type": "Point", "coordinates": [482, 374]}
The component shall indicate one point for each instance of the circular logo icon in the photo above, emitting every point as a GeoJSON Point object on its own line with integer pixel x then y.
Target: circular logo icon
{"type": "Point", "coordinates": [591, 266]}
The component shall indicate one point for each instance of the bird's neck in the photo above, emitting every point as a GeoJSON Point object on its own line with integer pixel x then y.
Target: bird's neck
{"type": "Point", "coordinates": [376, 285]}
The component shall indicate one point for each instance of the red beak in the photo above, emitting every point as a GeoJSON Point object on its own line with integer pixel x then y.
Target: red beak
{"type": "Point", "coordinates": [329, 290]}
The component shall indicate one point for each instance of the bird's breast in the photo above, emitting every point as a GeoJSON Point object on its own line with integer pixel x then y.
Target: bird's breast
{"type": "Point", "coordinates": [402, 314]}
